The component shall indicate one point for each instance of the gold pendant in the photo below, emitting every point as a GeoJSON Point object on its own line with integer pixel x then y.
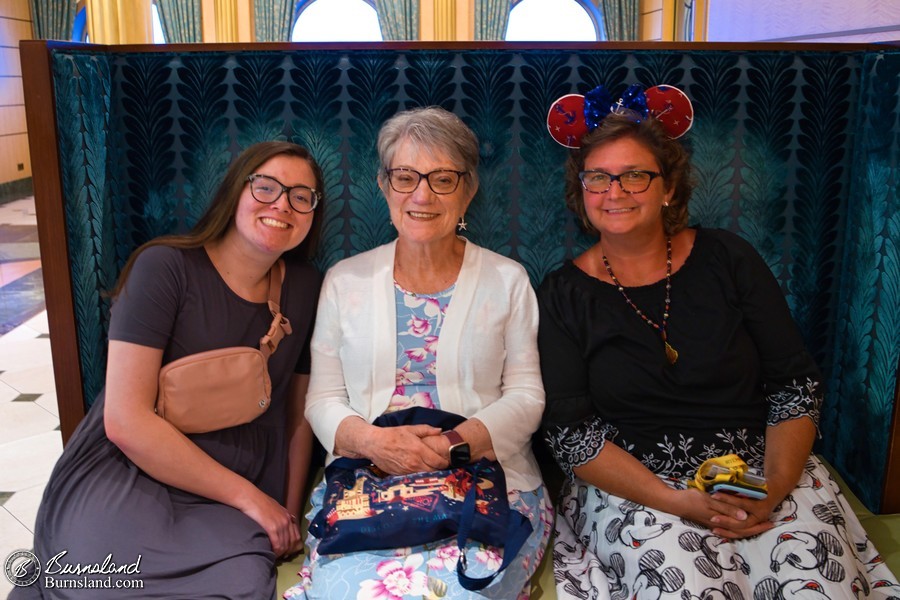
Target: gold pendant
{"type": "Point", "coordinates": [671, 353]}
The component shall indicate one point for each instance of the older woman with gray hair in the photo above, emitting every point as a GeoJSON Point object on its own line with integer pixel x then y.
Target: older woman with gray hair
{"type": "Point", "coordinates": [429, 320]}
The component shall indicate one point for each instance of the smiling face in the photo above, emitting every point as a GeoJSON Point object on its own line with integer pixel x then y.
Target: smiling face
{"type": "Point", "coordinates": [272, 229]}
{"type": "Point", "coordinates": [422, 216]}
{"type": "Point", "coordinates": [616, 212]}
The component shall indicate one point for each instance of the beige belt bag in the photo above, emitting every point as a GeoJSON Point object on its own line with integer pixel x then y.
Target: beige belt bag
{"type": "Point", "coordinates": [226, 387]}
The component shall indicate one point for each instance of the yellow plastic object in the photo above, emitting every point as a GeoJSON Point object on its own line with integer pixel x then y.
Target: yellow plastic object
{"type": "Point", "coordinates": [727, 469]}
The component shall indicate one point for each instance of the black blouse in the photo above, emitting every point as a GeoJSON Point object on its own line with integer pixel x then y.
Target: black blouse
{"type": "Point", "coordinates": [742, 364]}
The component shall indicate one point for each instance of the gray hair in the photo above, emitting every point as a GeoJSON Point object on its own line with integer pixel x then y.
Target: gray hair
{"type": "Point", "coordinates": [430, 129]}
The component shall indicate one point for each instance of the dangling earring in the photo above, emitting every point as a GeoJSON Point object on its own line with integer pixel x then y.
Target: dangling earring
{"type": "Point", "coordinates": [462, 225]}
{"type": "Point", "coordinates": [665, 204]}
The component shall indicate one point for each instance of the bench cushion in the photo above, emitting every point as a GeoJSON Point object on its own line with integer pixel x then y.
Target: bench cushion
{"type": "Point", "coordinates": [883, 530]}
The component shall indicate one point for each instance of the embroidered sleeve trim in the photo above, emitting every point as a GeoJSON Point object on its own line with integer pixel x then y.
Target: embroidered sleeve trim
{"type": "Point", "coordinates": [795, 401]}
{"type": "Point", "coordinates": [576, 445]}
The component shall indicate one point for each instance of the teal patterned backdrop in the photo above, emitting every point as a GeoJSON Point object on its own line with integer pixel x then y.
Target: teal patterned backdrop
{"type": "Point", "coordinates": [796, 151]}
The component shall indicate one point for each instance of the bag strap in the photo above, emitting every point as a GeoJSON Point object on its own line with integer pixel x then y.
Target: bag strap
{"type": "Point", "coordinates": [280, 326]}
{"type": "Point", "coordinates": [517, 531]}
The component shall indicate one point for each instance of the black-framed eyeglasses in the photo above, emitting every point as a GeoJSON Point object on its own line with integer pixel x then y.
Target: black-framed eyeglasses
{"type": "Point", "coordinates": [267, 190]}
{"type": "Point", "coordinates": [441, 181]}
{"type": "Point", "coordinates": [631, 182]}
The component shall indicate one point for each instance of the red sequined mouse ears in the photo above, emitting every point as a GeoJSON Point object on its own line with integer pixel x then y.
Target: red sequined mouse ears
{"type": "Point", "coordinates": [573, 115]}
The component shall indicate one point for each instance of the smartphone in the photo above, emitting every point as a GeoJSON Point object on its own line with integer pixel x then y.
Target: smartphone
{"type": "Point", "coordinates": [737, 490]}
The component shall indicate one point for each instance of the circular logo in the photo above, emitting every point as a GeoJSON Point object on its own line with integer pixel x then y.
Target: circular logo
{"type": "Point", "coordinates": [22, 568]}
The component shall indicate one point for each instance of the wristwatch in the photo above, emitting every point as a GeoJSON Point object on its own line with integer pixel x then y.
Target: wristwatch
{"type": "Point", "coordinates": [459, 449]}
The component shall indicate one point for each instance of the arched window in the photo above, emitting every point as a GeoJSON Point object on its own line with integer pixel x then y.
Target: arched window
{"type": "Point", "coordinates": [158, 36]}
{"type": "Point", "coordinates": [336, 21]}
{"type": "Point", "coordinates": [79, 26]}
{"type": "Point", "coordinates": [555, 21]}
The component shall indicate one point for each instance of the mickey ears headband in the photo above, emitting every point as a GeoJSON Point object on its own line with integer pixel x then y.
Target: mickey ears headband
{"type": "Point", "coordinates": [573, 115]}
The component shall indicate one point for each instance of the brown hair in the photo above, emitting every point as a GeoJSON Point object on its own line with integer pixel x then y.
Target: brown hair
{"type": "Point", "coordinates": [671, 156]}
{"type": "Point", "coordinates": [219, 215]}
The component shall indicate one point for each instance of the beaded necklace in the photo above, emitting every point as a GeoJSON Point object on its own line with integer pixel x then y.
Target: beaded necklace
{"type": "Point", "coordinates": [671, 353]}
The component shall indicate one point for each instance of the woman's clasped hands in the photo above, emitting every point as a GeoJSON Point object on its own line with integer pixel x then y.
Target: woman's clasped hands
{"type": "Point", "coordinates": [406, 449]}
{"type": "Point", "coordinates": [727, 515]}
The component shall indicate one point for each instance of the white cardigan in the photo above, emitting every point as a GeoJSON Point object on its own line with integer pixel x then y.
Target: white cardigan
{"type": "Point", "coordinates": [488, 364]}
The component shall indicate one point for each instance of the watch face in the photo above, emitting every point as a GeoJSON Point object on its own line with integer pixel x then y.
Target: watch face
{"type": "Point", "coordinates": [459, 455]}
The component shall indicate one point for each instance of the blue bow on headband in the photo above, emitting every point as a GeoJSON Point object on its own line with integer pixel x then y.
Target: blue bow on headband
{"type": "Point", "coordinates": [598, 104]}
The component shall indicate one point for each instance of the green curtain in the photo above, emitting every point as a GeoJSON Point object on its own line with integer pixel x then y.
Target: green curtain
{"type": "Point", "coordinates": [53, 19]}
{"type": "Point", "coordinates": [273, 20]}
{"type": "Point", "coordinates": [491, 19]}
{"type": "Point", "coordinates": [620, 19]}
{"type": "Point", "coordinates": [398, 19]}
{"type": "Point", "coordinates": [180, 20]}
{"type": "Point", "coordinates": [686, 12]}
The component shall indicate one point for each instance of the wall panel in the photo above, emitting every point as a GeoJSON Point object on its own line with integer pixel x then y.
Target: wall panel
{"type": "Point", "coordinates": [650, 28]}
{"type": "Point", "coordinates": [12, 120]}
{"type": "Point", "coordinates": [803, 20]}
{"type": "Point", "coordinates": [16, 9]}
{"type": "Point", "coordinates": [11, 91]}
{"type": "Point", "coordinates": [15, 26]}
{"type": "Point", "coordinates": [12, 31]}
{"type": "Point", "coordinates": [14, 152]}
{"type": "Point", "coordinates": [9, 62]}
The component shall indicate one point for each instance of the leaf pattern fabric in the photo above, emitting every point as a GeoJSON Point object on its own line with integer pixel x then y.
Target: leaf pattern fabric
{"type": "Point", "coordinates": [794, 151]}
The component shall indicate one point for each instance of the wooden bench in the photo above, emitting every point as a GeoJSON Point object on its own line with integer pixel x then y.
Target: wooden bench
{"type": "Point", "coordinates": [795, 148]}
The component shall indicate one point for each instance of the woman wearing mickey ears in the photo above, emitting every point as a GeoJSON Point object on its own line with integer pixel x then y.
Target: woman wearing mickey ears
{"type": "Point", "coordinates": [429, 320]}
{"type": "Point", "coordinates": [664, 347]}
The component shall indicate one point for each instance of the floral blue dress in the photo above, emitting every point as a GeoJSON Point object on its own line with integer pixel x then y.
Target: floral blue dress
{"type": "Point", "coordinates": [427, 571]}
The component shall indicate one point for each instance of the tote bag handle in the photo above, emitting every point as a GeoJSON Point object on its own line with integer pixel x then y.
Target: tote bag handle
{"type": "Point", "coordinates": [517, 531]}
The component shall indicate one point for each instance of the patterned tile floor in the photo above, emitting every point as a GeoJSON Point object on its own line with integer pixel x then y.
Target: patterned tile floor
{"type": "Point", "coordinates": [30, 441]}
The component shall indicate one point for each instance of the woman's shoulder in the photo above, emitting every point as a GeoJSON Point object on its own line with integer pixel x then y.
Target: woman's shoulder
{"type": "Point", "coordinates": [724, 239]}
{"type": "Point", "coordinates": [498, 261]}
{"type": "Point", "coordinates": [357, 271]}
{"type": "Point", "coordinates": [726, 247]}
{"type": "Point", "coordinates": [566, 290]}
{"type": "Point", "coordinates": [154, 290]}
{"type": "Point", "coordinates": [162, 262]}
{"type": "Point", "coordinates": [358, 262]}
{"type": "Point", "coordinates": [303, 280]}
{"type": "Point", "coordinates": [563, 278]}
{"type": "Point", "coordinates": [302, 270]}
{"type": "Point", "coordinates": [568, 296]}
{"type": "Point", "coordinates": [160, 253]}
